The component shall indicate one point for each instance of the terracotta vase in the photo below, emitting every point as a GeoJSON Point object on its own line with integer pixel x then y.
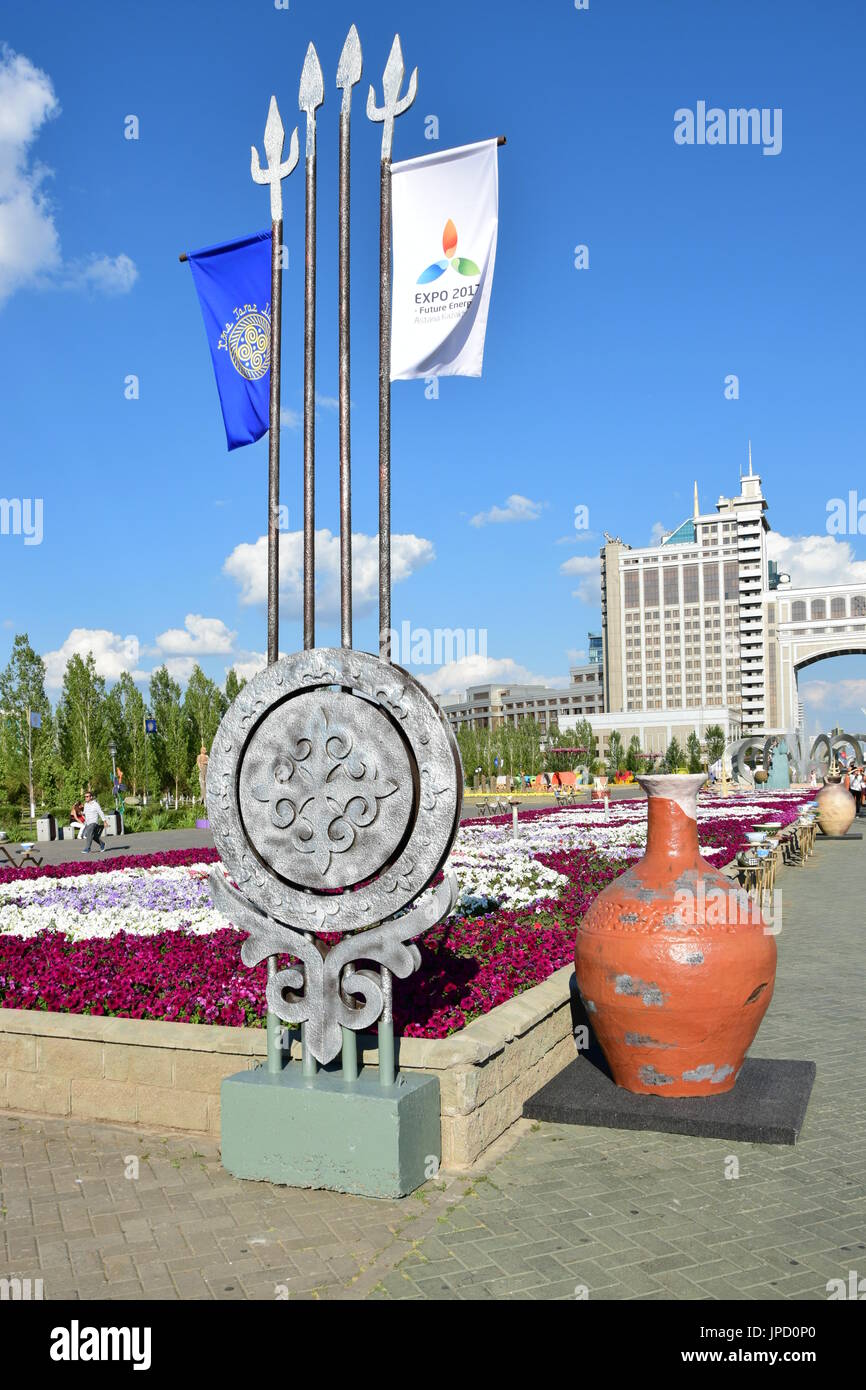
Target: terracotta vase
{"type": "Point", "coordinates": [673, 961]}
{"type": "Point", "coordinates": [836, 806]}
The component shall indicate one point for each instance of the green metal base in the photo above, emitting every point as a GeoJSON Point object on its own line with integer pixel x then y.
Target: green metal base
{"type": "Point", "coordinates": [348, 1136]}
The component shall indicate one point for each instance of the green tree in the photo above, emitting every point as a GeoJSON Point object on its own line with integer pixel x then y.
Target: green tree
{"type": "Point", "coordinates": [204, 705]}
{"type": "Point", "coordinates": [176, 744]}
{"type": "Point", "coordinates": [22, 696]}
{"type": "Point", "coordinates": [633, 760]}
{"type": "Point", "coordinates": [126, 715]}
{"type": "Point", "coordinates": [164, 697]}
{"type": "Point", "coordinates": [674, 757]}
{"type": "Point", "coordinates": [82, 723]}
{"type": "Point", "coordinates": [693, 749]}
{"type": "Point", "coordinates": [615, 754]}
{"type": "Point", "coordinates": [585, 738]}
{"type": "Point", "coordinates": [715, 741]}
{"type": "Point", "coordinates": [556, 761]}
{"type": "Point", "coordinates": [234, 686]}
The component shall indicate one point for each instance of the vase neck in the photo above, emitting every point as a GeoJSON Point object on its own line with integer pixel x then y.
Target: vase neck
{"type": "Point", "coordinates": [672, 818]}
{"type": "Point", "coordinates": [671, 833]}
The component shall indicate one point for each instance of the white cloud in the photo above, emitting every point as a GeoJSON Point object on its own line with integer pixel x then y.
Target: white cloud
{"type": "Point", "coordinates": [588, 567]}
{"type": "Point", "coordinates": [111, 653]}
{"type": "Point", "coordinates": [576, 656]}
{"type": "Point", "coordinates": [248, 567]}
{"type": "Point", "coordinates": [451, 681]}
{"type": "Point", "coordinates": [198, 637]}
{"type": "Point", "coordinates": [29, 244]}
{"type": "Point", "coordinates": [248, 664]}
{"type": "Point", "coordinates": [835, 696]}
{"type": "Point", "coordinates": [290, 419]}
{"type": "Point", "coordinates": [516, 508]}
{"type": "Point", "coordinates": [180, 668]}
{"type": "Point", "coordinates": [659, 530]}
{"type": "Point", "coordinates": [30, 251]}
{"type": "Point", "coordinates": [110, 274]}
{"type": "Point", "coordinates": [816, 560]}
{"type": "Point", "coordinates": [327, 402]}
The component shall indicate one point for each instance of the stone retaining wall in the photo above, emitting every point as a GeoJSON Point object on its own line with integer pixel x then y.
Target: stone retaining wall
{"type": "Point", "coordinates": [168, 1075]}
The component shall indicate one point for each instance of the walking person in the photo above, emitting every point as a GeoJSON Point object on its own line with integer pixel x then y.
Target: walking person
{"type": "Point", "coordinates": [857, 788]}
{"type": "Point", "coordinates": [93, 815]}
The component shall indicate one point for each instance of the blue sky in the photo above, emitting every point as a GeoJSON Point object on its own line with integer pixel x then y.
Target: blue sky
{"type": "Point", "coordinates": [602, 387]}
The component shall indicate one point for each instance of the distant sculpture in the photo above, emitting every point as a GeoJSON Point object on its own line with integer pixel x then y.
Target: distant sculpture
{"type": "Point", "coordinates": [779, 777]}
{"type": "Point", "coordinates": [201, 763]}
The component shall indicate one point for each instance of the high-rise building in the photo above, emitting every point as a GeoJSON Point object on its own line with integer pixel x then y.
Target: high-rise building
{"type": "Point", "coordinates": [683, 621]}
{"type": "Point", "coordinates": [490, 706]}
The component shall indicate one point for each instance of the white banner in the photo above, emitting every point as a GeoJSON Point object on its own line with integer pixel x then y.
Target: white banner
{"type": "Point", "coordinates": [445, 220]}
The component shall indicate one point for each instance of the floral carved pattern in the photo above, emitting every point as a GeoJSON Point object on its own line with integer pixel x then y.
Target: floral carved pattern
{"type": "Point", "coordinates": [324, 790]}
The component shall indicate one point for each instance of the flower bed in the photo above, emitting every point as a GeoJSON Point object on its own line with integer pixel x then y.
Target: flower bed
{"type": "Point", "coordinates": [137, 937]}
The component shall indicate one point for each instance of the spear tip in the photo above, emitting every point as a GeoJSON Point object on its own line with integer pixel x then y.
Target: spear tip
{"type": "Point", "coordinates": [274, 133]}
{"type": "Point", "coordinates": [394, 69]}
{"type": "Point", "coordinates": [312, 92]}
{"type": "Point", "coordinates": [351, 62]}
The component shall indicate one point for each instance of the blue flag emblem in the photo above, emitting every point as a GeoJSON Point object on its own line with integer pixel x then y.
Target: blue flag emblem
{"type": "Point", "coordinates": [233, 285]}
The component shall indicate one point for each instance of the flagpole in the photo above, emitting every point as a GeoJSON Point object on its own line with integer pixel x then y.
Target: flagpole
{"type": "Point", "coordinates": [274, 444]}
{"type": "Point", "coordinates": [348, 74]}
{"type": "Point", "coordinates": [392, 107]}
{"type": "Point", "coordinates": [273, 175]}
{"type": "Point", "coordinates": [310, 96]}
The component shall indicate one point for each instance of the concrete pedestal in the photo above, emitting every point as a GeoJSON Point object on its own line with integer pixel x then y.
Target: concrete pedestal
{"type": "Point", "coordinates": [348, 1136]}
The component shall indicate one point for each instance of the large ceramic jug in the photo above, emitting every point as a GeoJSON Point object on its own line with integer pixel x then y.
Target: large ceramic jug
{"type": "Point", "coordinates": [674, 963]}
{"type": "Point", "coordinates": [836, 805]}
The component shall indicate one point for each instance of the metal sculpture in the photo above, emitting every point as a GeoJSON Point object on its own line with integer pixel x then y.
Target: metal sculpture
{"type": "Point", "coordinates": [334, 782]}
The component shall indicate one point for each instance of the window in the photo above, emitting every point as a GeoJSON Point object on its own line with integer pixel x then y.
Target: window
{"type": "Point", "coordinates": [837, 608]}
{"type": "Point", "coordinates": [711, 583]}
{"type": "Point", "coordinates": [798, 612]}
{"type": "Point", "coordinates": [631, 590]}
{"type": "Point", "coordinates": [690, 584]}
{"type": "Point", "coordinates": [858, 606]}
{"type": "Point", "coordinates": [672, 588]}
{"type": "Point", "coordinates": [819, 608]}
{"type": "Point", "coordinates": [731, 579]}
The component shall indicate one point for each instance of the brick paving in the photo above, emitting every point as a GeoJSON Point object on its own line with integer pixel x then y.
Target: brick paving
{"type": "Point", "coordinates": [565, 1212]}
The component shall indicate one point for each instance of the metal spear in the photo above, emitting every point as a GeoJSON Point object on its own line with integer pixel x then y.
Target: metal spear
{"type": "Point", "coordinates": [392, 107]}
{"type": "Point", "coordinates": [311, 95]}
{"type": "Point", "coordinates": [348, 74]}
{"type": "Point", "coordinates": [276, 171]}
{"type": "Point", "coordinates": [273, 175]}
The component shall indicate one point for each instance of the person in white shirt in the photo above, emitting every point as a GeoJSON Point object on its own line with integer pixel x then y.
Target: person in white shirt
{"type": "Point", "coordinates": [93, 814]}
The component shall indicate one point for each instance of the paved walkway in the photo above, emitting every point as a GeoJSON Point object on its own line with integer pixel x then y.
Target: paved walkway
{"type": "Point", "coordinates": [143, 842]}
{"type": "Point", "coordinates": [563, 1209]}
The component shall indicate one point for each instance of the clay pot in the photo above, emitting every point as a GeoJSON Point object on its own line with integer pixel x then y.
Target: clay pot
{"type": "Point", "coordinates": [836, 806]}
{"type": "Point", "coordinates": [761, 775]}
{"type": "Point", "coordinates": [673, 961]}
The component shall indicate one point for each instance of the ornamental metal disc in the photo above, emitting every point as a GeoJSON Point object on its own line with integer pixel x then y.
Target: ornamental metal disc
{"type": "Point", "coordinates": [334, 790]}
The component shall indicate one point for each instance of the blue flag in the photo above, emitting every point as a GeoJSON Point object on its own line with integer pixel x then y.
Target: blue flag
{"type": "Point", "coordinates": [233, 283]}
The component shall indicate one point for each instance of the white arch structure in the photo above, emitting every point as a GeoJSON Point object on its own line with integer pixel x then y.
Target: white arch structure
{"type": "Point", "coordinates": [814, 623]}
